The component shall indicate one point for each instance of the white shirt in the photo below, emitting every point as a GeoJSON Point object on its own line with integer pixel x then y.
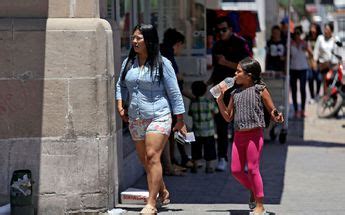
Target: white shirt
{"type": "Point", "coordinates": [323, 49]}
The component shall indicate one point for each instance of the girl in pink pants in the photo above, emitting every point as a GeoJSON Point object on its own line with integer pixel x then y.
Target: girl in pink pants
{"type": "Point", "coordinates": [246, 108]}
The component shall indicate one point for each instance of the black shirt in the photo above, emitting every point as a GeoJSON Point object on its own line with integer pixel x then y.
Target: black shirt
{"type": "Point", "coordinates": [234, 49]}
{"type": "Point", "coordinates": [275, 51]}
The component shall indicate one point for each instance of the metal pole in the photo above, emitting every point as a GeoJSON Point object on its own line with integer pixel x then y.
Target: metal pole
{"type": "Point", "coordinates": [287, 77]}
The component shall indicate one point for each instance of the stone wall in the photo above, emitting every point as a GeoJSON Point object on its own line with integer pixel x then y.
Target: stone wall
{"type": "Point", "coordinates": [57, 104]}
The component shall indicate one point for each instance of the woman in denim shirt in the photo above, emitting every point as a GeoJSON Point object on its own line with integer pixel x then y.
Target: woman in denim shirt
{"type": "Point", "coordinates": [149, 83]}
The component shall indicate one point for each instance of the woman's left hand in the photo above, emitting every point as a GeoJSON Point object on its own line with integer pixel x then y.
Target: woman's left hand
{"type": "Point", "coordinates": [181, 127]}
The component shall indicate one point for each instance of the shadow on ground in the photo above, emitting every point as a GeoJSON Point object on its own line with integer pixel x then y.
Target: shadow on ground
{"type": "Point", "coordinates": [222, 188]}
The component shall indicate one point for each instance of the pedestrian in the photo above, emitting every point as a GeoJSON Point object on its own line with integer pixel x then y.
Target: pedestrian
{"type": "Point", "coordinates": [275, 51]}
{"type": "Point", "coordinates": [149, 83]}
{"type": "Point", "coordinates": [202, 111]}
{"type": "Point", "coordinates": [298, 70]}
{"type": "Point", "coordinates": [246, 109]}
{"type": "Point", "coordinates": [325, 44]}
{"type": "Point", "coordinates": [314, 77]}
{"type": "Point", "coordinates": [226, 54]}
{"type": "Point", "coordinates": [172, 45]}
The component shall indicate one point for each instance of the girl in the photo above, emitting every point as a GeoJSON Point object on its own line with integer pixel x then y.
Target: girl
{"type": "Point", "coordinates": [246, 108]}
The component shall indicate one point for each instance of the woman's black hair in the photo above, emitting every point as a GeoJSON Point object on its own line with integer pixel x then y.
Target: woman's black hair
{"type": "Point", "coordinates": [252, 67]}
{"type": "Point", "coordinates": [154, 58]}
{"type": "Point", "coordinates": [318, 31]}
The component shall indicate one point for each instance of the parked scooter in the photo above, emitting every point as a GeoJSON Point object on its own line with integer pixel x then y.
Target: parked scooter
{"type": "Point", "coordinates": [334, 98]}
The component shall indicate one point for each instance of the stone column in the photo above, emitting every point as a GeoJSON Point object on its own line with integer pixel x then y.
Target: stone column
{"type": "Point", "coordinates": [57, 103]}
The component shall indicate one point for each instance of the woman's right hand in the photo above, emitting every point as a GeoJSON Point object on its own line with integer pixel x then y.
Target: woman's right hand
{"type": "Point", "coordinates": [123, 114]}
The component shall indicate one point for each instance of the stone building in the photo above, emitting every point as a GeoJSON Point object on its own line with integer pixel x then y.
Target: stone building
{"type": "Point", "coordinates": [56, 103]}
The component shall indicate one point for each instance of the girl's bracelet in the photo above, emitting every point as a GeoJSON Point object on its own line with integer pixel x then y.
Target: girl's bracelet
{"type": "Point", "coordinates": [275, 112]}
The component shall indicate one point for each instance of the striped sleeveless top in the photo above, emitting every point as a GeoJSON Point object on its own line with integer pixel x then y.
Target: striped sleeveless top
{"type": "Point", "coordinates": [249, 108]}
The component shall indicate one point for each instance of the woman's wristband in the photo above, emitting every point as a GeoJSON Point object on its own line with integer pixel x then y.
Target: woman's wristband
{"type": "Point", "coordinates": [121, 110]}
{"type": "Point", "coordinates": [179, 120]}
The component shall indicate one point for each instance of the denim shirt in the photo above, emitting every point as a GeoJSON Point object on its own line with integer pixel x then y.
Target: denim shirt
{"type": "Point", "coordinates": [147, 98]}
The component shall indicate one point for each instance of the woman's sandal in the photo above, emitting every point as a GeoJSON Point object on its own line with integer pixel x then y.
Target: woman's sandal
{"type": "Point", "coordinates": [163, 198]}
{"type": "Point", "coordinates": [149, 210]}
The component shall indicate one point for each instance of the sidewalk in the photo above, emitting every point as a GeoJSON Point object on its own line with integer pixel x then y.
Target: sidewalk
{"type": "Point", "coordinates": [303, 176]}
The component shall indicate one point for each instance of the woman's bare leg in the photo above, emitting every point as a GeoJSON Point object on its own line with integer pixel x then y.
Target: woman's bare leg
{"type": "Point", "coordinates": [154, 145]}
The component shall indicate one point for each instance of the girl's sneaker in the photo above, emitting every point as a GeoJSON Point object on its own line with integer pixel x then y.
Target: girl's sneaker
{"type": "Point", "coordinates": [251, 203]}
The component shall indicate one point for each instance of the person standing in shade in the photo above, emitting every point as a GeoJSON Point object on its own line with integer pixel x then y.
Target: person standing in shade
{"type": "Point", "coordinates": [149, 83]}
{"type": "Point", "coordinates": [202, 111]}
{"type": "Point", "coordinates": [314, 76]}
{"type": "Point", "coordinates": [298, 70]}
{"type": "Point", "coordinates": [172, 45]}
{"type": "Point", "coordinates": [226, 53]}
{"type": "Point", "coordinates": [246, 109]}
{"type": "Point", "coordinates": [275, 51]}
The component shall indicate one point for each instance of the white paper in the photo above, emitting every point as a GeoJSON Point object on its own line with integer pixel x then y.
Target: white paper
{"type": "Point", "coordinates": [189, 137]}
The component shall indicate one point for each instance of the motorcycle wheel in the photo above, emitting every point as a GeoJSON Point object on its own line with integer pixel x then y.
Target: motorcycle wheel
{"type": "Point", "coordinates": [329, 106]}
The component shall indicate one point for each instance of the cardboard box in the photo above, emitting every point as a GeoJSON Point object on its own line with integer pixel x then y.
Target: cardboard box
{"type": "Point", "coordinates": [134, 196]}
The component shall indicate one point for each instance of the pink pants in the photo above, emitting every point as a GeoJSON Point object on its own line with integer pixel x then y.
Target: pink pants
{"type": "Point", "coordinates": [247, 148]}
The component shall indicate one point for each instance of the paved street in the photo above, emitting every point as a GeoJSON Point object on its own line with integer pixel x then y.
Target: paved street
{"type": "Point", "coordinates": [304, 176]}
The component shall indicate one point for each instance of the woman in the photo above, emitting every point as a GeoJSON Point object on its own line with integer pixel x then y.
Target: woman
{"type": "Point", "coordinates": [313, 76]}
{"type": "Point", "coordinates": [298, 70]}
{"type": "Point", "coordinates": [150, 82]}
{"type": "Point", "coordinates": [324, 46]}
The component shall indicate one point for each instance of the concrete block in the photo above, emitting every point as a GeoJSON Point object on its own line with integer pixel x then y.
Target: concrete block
{"type": "Point", "coordinates": [87, 9]}
{"type": "Point", "coordinates": [59, 174]}
{"type": "Point", "coordinates": [88, 100]}
{"type": "Point", "coordinates": [70, 54]}
{"type": "Point", "coordinates": [54, 110]}
{"type": "Point", "coordinates": [97, 200]}
{"type": "Point", "coordinates": [73, 202]}
{"type": "Point", "coordinates": [27, 8]}
{"type": "Point", "coordinates": [94, 175]}
{"type": "Point", "coordinates": [6, 65]}
{"type": "Point", "coordinates": [73, 8]}
{"type": "Point", "coordinates": [52, 205]}
{"type": "Point", "coordinates": [21, 108]}
{"type": "Point", "coordinates": [59, 8]}
{"type": "Point", "coordinates": [78, 48]}
{"type": "Point", "coordinates": [73, 167]}
{"type": "Point", "coordinates": [28, 54]}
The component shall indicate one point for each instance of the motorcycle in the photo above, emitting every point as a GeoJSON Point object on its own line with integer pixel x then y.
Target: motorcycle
{"type": "Point", "coordinates": [334, 98]}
